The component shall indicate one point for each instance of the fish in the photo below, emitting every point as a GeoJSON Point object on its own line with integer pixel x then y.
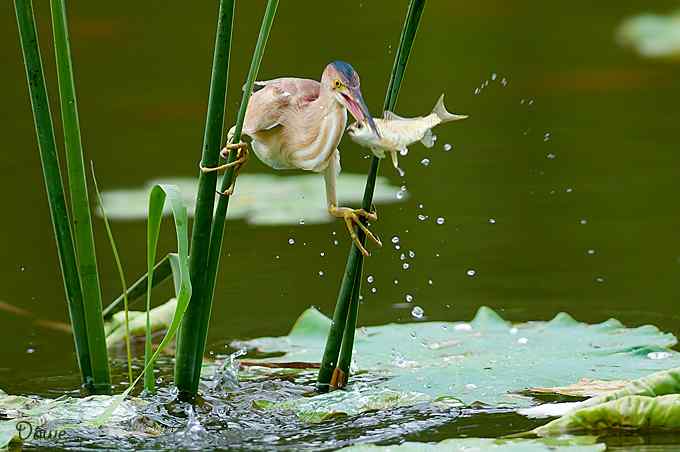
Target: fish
{"type": "Point", "coordinates": [395, 133]}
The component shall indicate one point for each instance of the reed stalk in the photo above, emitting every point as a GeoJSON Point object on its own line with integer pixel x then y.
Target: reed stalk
{"type": "Point", "coordinates": [203, 307]}
{"type": "Point", "coordinates": [47, 147]}
{"type": "Point", "coordinates": [80, 204]}
{"type": "Point", "coordinates": [337, 355]}
{"type": "Point", "coordinates": [191, 340]}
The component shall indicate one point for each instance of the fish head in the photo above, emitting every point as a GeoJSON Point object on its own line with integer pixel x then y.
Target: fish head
{"type": "Point", "coordinates": [362, 134]}
{"type": "Point", "coordinates": [344, 83]}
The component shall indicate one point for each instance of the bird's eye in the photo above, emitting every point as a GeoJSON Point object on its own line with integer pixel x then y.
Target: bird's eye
{"type": "Point", "coordinates": [337, 84]}
{"type": "Point", "coordinates": [360, 126]}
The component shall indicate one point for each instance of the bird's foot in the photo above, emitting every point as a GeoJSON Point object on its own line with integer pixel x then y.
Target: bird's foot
{"type": "Point", "coordinates": [242, 156]}
{"type": "Point", "coordinates": [338, 379]}
{"type": "Point", "coordinates": [352, 217]}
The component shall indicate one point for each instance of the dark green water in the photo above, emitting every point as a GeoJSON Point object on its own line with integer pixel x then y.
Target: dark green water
{"type": "Point", "coordinates": [577, 152]}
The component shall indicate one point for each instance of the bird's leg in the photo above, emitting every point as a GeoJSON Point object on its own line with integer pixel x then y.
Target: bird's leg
{"type": "Point", "coordinates": [242, 156]}
{"type": "Point", "coordinates": [350, 216]}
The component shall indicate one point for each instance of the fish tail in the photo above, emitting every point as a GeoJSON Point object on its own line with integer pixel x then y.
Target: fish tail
{"type": "Point", "coordinates": [443, 115]}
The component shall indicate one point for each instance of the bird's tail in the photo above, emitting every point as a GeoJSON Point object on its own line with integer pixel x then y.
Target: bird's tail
{"type": "Point", "coordinates": [443, 115]}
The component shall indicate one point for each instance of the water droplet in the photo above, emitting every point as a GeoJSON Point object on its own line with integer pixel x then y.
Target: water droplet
{"type": "Point", "coordinates": [492, 221]}
{"type": "Point", "coordinates": [335, 242]}
{"type": "Point", "coordinates": [513, 330]}
{"type": "Point", "coordinates": [440, 220]}
{"type": "Point", "coordinates": [422, 217]}
{"type": "Point", "coordinates": [477, 91]}
{"type": "Point", "coordinates": [395, 239]}
{"type": "Point", "coordinates": [413, 334]}
{"type": "Point", "coordinates": [546, 136]}
{"type": "Point", "coordinates": [599, 279]}
{"type": "Point", "coordinates": [370, 279]}
{"type": "Point", "coordinates": [400, 195]}
{"type": "Point", "coordinates": [322, 254]}
{"type": "Point", "coordinates": [583, 221]}
{"type": "Point", "coordinates": [417, 312]}
{"type": "Point", "coordinates": [405, 265]}
{"type": "Point", "coordinates": [321, 273]}
{"type": "Point", "coordinates": [659, 355]}
{"type": "Point", "coordinates": [493, 76]}
{"type": "Point", "coordinates": [522, 340]}
{"type": "Point", "coordinates": [396, 281]}
{"type": "Point", "coordinates": [504, 81]}
{"type": "Point", "coordinates": [373, 290]}
{"type": "Point", "coordinates": [569, 190]}
{"type": "Point", "coordinates": [590, 252]}
{"type": "Point", "coordinates": [411, 254]}
{"type": "Point", "coordinates": [470, 386]}
{"type": "Point", "coordinates": [425, 162]}
{"type": "Point", "coordinates": [22, 268]}
{"type": "Point", "coordinates": [429, 281]}
{"type": "Point", "coordinates": [447, 147]}
{"type": "Point", "coordinates": [403, 152]}
{"type": "Point", "coordinates": [302, 221]}
{"type": "Point", "coordinates": [402, 256]}
{"type": "Point", "coordinates": [471, 272]}
{"type": "Point", "coordinates": [408, 297]}
{"type": "Point", "coordinates": [550, 156]}
{"type": "Point", "coordinates": [30, 350]}
{"type": "Point", "coordinates": [291, 241]}
{"type": "Point", "coordinates": [420, 206]}
{"type": "Point", "coordinates": [277, 257]}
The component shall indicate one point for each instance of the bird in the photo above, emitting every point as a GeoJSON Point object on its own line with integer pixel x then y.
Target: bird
{"type": "Point", "coordinates": [297, 123]}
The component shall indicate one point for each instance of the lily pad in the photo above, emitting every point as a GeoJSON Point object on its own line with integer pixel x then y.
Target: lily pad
{"type": "Point", "coordinates": [584, 388]}
{"type": "Point", "coordinates": [652, 35]}
{"type": "Point", "coordinates": [574, 444]}
{"type": "Point", "coordinates": [487, 360]}
{"type": "Point", "coordinates": [259, 198]}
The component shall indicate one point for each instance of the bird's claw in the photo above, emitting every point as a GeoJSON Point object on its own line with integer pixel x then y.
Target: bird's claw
{"type": "Point", "coordinates": [242, 157]}
{"type": "Point", "coordinates": [352, 217]}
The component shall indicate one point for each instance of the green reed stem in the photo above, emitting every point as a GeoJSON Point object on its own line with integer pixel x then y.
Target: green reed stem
{"type": "Point", "coordinates": [80, 204]}
{"type": "Point", "coordinates": [340, 341]}
{"type": "Point", "coordinates": [204, 309]}
{"type": "Point", "coordinates": [191, 338]}
{"type": "Point", "coordinates": [44, 129]}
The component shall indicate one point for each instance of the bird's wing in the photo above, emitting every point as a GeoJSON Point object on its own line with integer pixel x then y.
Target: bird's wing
{"type": "Point", "coordinates": [269, 104]}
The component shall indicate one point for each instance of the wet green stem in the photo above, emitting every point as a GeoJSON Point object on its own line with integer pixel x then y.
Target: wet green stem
{"type": "Point", "coordinates": [337, 354]}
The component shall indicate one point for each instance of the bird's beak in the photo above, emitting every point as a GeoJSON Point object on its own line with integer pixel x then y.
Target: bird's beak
{"type": "Point", "coordinates": [357, 107]}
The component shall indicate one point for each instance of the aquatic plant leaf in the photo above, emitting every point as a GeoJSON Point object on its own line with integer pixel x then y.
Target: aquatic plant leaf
{"type": "Point", "coordinates": [571, 444]}
{"type": "Point", "coordinates": [487, 360]}
{"type": "Point", "coordinates": [8, 434]}
{"type": "Point", "coordinates": [627, 413]}
{"type": "Point", "coordinates": [260, 199]}
{"type": "Point", "coordinates": [652, 35]}
{"type": "Point", "coordinates": [161, 317]}
{"type": "Point", "coordinates": [657, 384]}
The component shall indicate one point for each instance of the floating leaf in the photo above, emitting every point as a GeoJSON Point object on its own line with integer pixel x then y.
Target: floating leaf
{"type": "Point", "coordinates": [487, 360]}
{"type": "Point", "coordinates": [652, 35]}
{"type": "Point", "coordinates": [627, 413]}
{"type": "Point", "coordinates": [259, 199]}
{"type": "Point", "coordinates": [572, 444]}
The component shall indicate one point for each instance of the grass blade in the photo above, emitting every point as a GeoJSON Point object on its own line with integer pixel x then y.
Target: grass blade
{"type": "Point", "coordinates": [121, 274]}
{"type": "Point", "coordinates": [190, 341]}
{"type": "Point", "coordinates": [82, 221]}
{"type": "Point", "coordinates": [340, 341]}
{"type": "Point", "coordinates": [53, 183]}
{"type": "Point", "coordinates": [161, 271]}
{"type": "Point", "coordinates": [157, 198]}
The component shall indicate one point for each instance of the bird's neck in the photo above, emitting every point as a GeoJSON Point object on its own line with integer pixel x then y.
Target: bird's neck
{"type": "Point", "coordinates": [327, 103]}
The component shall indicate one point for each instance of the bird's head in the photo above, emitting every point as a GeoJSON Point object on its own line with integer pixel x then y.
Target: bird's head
{"type": "Point", "coordinates": [360, 133]}
{"type": "Point", "coordinates": [343, 81]}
